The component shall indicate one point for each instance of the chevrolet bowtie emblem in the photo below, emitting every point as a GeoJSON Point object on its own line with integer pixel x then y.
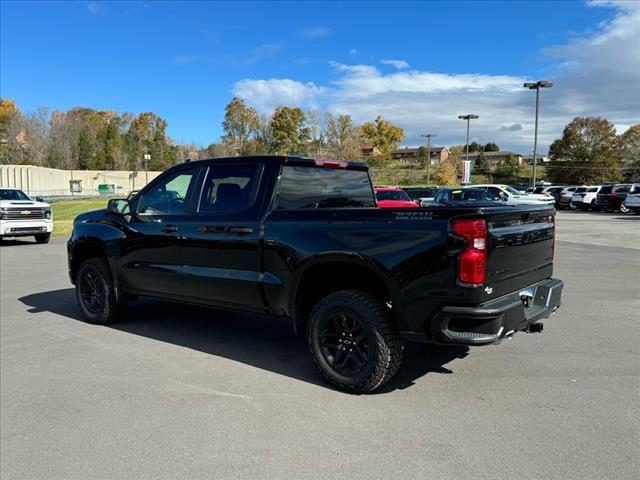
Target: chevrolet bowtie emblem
{"type": "Point", "coordinates": [25, 212]}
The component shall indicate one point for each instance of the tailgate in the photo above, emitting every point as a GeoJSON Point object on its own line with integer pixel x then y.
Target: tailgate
{"type": "Point", "coordinates": [520, 248]}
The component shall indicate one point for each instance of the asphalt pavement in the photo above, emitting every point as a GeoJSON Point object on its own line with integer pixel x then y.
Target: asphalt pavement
{"type": "Point", "coordinates": [187, 392]}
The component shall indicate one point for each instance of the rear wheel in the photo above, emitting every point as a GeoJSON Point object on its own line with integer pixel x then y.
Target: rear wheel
{"type": "Point", "coordinates": [43, 238]}
{"type": "Point", "coordinates": [353, 341]}
{"type": "Point", "coordinates": [95, 293]}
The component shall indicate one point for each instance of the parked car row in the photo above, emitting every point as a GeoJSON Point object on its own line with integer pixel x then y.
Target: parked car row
{"type": "Point", "coordinates": [608, 197]}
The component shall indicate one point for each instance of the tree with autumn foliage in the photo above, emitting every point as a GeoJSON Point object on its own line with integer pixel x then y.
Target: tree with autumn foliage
{"type": "Point", "coordinates": [240, 125]}
{"type": "Point", "coordinates": [587, 153]}
{"type": "Point", "coordinates": [342, 138]}
{"type": "Point", "coordinates": [289, 132]}
{"type": "Point", "coordinates": [630, 147]}
{"type": "Point", "coordinates": [383, 135]}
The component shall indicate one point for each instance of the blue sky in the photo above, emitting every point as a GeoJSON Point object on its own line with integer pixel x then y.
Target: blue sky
{"type": "Point", "coordinates": [418, 64]}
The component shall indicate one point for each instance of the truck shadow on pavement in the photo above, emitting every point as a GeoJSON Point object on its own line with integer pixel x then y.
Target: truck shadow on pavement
{"type": "Point", "coordinates": [263, 342]}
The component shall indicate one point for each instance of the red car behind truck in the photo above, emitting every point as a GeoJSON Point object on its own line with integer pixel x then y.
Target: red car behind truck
{"type": "Point", "coordinates": [393, 197]}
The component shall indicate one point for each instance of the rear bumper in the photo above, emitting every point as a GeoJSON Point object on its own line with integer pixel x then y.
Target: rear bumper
{"type": "Point", "coordinates": [491, 322]}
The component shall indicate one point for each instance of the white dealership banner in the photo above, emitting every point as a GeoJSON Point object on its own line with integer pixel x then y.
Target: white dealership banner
{"type": "Point", "coordinates": [467, 166]}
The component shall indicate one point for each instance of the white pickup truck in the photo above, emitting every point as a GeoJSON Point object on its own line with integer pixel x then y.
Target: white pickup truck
{"type": "Point", "coordinates": [20, 216]}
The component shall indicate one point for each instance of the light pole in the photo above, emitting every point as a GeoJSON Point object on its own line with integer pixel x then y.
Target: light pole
{"type": "Point", "coordinates": [536, 86]}
{"type": "Point", "coordinates": [468, 118]}
{"type": "Point", "coordinates": [428, 137]}
{"type": "Point", "coordinates": [147, 157]}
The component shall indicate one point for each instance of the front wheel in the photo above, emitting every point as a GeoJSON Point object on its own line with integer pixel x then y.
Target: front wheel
{"type": "Point", "coordinates": [353, 342]}
{"type": "Point", "coordinates": [95, 293]}
{"type": "Point", "coordinates": [43, 237]}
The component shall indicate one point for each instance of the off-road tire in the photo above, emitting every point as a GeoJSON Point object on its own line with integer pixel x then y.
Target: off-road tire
{"type": "Point", "coordinates": [109, 310]}
{"type": "Point", "coordinates": [384, 344]}
{"type": "Point", "coordinates": [43, 237]}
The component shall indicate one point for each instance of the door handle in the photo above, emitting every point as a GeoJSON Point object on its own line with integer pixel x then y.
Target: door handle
{"type": "Point", "coordinates": [211, 229]}
{"type": "Point", "coordinates": [169, 229]}
{"type": "Point", "coordinates": [240, 230]}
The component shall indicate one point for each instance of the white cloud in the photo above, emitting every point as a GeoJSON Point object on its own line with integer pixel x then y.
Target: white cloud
{"type": "Point", "coordinates": [266, 95]}
{"type": "Point", "coordinates": [263, 51]}
{"type": "Point", "coordinates": [594, 75]}
{"type": "Point", "coordinates": [353, 51]}
{"type": "Point", "coordinates": [316, 32]}
{"type": "Point", "coordinates": [397, 64]}
{"type": "Point", "coordinates": [93, 8]}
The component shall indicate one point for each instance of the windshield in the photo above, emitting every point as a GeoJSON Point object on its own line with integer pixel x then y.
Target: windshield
{"type": "Point", "coordinates": [471, 194]}
{"type": "Point", "coordinates": [392, 195]}
{"type": "Point", "coordinates": [6, 194]}
{"type": "Point", "coordinates": [511, 190]}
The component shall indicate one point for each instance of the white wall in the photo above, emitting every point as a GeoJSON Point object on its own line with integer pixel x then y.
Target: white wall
{"type": "Point", "coordinates": [51, 182]}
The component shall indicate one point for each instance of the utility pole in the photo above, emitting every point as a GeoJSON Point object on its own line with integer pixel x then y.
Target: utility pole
{"type": "Point", "coordinates": [468, 118]}
{"type": "Point", "coordinates": [428, 137]}
{"type": "Point", "coordinates": [536, 86]}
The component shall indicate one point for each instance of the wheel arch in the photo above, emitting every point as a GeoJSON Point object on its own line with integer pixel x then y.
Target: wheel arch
{"type": "Point", "coordinates": [332, 272]}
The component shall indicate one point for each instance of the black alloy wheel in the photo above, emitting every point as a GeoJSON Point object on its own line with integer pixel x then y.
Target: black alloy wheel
{"type": "Point", "coordinates": [344, 344]}
{"type": "Point", "coordinates": [92, 291]}
{"type": "Point", "coordinates": [95, 293]}
{"type": "Point", "coordinates": [353, 340]}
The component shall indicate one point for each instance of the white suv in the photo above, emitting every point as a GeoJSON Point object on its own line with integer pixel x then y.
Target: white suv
{"type": "Point", "coordinates": [585, 197]}
{"type": "Point", "coordinates": [20, 216]}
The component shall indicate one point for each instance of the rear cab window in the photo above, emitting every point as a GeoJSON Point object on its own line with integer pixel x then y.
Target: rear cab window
{"type": "Point", "coordinates": [313, 187]}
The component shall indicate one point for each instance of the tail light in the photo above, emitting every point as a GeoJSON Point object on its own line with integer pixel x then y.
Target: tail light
{"type": "Point", "coordinates": [472, 262]}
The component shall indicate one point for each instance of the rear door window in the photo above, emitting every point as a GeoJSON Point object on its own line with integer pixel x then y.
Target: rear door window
{"type": "Point", "coordinates": [230, 187]}
{"type": "Point", "coordinates": [309, 187]}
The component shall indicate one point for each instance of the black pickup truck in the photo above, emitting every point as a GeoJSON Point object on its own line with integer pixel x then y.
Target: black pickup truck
{"type": "Point", "coordinates": [303, 238]}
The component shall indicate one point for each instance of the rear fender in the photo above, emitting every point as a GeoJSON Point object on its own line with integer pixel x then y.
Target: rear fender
{"type": "Point", "coordinates": [346, 259]}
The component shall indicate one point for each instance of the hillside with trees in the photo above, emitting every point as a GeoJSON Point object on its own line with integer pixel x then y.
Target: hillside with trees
{"type": "Point", "coordinates": [589, 151]}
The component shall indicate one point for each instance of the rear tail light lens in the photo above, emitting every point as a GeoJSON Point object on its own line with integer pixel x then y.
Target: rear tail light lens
{"type": "Point", "coordinates": [472, 261]}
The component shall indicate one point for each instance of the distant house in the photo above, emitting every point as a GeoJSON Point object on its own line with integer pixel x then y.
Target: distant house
{"type": "Point", "coordinates": [411, 155]}
{"type": "Point", "coordinates": [542, 159]}
{"type": "Point", "coordinates": [495, 159]}
{"type": "Point", "coordinates": [367, 150]}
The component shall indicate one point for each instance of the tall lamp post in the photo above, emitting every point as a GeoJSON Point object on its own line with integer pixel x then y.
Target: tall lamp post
{"type": "Point", "coordinates": [468, 118]}
{"type": "Point", "coordinates": [147, 157]}
{"type": "Point", "coordinates": [428, 137]}
{"type": "Point", "coordinates": [536, 86]}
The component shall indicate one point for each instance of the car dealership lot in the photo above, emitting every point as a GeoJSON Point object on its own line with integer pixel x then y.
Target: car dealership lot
{"type": "Point", "coordinates": [180, 391]}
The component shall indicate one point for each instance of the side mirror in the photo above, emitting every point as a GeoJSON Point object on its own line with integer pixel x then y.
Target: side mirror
{"type": "Point", "coordinates": [132, 194]}
{"type": "Point", "coordinates": [39, 199]}
{"type": "Point", "coordinates": [118, 206]}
